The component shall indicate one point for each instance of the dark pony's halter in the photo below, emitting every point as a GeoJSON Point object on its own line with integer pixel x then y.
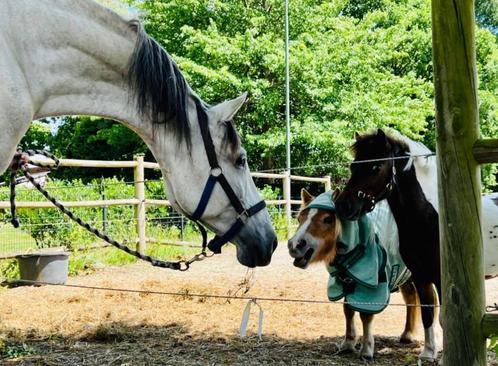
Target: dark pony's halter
{"type": "Point", "coordinates": [371, 200]}
{"type": "Point", "coordinates": [216, 176]}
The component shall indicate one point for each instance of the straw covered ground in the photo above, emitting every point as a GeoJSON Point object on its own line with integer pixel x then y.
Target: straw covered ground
{"type": "Point", "coordinates": [51, 325]}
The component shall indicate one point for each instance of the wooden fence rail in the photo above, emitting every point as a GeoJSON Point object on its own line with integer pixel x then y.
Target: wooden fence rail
{"type": "Point", "coordinates": [140, 203]}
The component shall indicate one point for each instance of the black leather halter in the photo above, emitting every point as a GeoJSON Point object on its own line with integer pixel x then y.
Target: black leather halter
{"type": "Point", "coordinates": [371, 200]}
{"type": "Point", "coordinates": [216, 176]}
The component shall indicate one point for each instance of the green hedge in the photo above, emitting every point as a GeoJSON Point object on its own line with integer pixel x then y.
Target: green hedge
{"type": "Point", "coordinates": [50, 228]}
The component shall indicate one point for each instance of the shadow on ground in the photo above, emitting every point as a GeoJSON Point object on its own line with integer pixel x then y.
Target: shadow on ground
{"type": "Point", "coordinates": [176, 344]}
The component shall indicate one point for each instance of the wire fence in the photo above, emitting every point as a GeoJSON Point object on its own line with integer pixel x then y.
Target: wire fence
{"type": "Point", "coordinates": [46, 227]}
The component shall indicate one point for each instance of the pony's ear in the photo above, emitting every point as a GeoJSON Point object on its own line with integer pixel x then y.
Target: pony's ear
{"type": "Point", "coordinates": [306, 197]}
{"type": "Point", "coordinates": [227, 109]}
{"type": "Point", "coordinates": [336, 194]}
{"type": "Point", "coordinates": [381, 135]}
{"type": "Point", "coordinates": [356, 136]}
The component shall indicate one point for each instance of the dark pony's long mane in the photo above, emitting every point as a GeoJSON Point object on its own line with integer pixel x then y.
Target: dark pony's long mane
{"type": "Point", "coordinates": [160, 89]}
{"type": "Point", "coordinates": [369, 146]}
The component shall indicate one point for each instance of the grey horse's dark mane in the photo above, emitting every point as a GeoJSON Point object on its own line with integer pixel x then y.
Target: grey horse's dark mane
{"type": "Point", "coordinates": [159, 87]}
{"type": "Point", "coordinates": [162, 92]}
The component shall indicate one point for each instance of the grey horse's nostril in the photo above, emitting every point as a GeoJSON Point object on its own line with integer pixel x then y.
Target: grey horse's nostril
{"type": "Point", "coordinates": [302, 243]}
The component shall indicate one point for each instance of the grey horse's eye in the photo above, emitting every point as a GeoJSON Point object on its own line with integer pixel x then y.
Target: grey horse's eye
{"type": "Point", "coordinates": [241, 161]}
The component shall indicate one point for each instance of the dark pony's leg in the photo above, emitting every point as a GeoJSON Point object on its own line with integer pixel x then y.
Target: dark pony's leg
{"type": "Point", "coordinates": [428, 296]}
{"type": "Point", "coordinates": [349, 342]}
{"type": "Point", "coordinates": [412, 312]}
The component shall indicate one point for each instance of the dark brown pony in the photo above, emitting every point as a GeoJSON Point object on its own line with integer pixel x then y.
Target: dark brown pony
{"type": "Point", "coordinates": [393, 177]}
{"type": "Point", "coordinates": [315, 241]}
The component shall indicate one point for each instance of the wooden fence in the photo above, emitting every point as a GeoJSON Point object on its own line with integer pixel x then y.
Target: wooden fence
{"type": "Point", "coordinates": [140, 202]}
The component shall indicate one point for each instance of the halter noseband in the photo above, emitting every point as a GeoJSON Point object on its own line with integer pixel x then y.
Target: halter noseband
{"type": "Point", "coordinates": [216, 176]}
{"type": "Point", "coordinates": [372, 200]}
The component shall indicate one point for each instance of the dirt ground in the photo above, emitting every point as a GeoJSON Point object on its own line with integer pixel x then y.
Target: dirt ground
{"type": "Point", "coordinates": [72, 326]}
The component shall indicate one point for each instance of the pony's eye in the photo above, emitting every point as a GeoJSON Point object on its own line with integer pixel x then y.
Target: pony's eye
{"type": "Point", "coordinates": [241, 161]}
{"type": "Point", "coordinates": [376, 168]}
{"type": "Point", "coordinates": [328, 219]}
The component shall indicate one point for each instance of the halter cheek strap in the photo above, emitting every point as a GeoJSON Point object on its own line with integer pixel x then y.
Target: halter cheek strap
{"type": "Point", "coordinates": [371, 200]}
{"type": "Point", "coordinates": [216, 176]}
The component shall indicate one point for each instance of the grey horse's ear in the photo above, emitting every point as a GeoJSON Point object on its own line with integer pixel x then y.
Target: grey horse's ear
{"type": "Point", "coordinates": [336, 194]}
{"type": "Point", "coordinates": [306, 197]}
{"type": "Point", "coordinates": [226, 110]}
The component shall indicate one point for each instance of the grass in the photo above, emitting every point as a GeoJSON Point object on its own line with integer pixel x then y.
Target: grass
{"type": "Point", "coordinates": [15, 240]}
{"type": "Point", "coordinates": [89, 261]}
{"type": "Point", "coordinates": [10, 351]}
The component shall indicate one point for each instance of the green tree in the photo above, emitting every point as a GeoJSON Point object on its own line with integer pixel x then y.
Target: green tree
{"type": "Point", "coordinates": [38, 136]}
{"type": "Point", "coordinates": [487, 14]}
{"type": "Point", "coordinates": [355, 65]}
{"type": "Point", "coordinates": [94, 138]}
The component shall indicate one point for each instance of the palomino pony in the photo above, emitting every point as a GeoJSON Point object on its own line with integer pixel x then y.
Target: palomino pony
{"type": "Point", "coordinates": [409, 184]}
{"type": "Point", "coordinates": [75, 57]}
{"type": "Point", "coordinates": [363, 261]}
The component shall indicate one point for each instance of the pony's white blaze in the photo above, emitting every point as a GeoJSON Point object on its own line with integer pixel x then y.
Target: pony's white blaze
{"type": "Point", "coordinates": [302, 232]}
{"type": "Point", "coordinates": [75, 58]}
{"type": "Point", "coordinates": [426, 172]}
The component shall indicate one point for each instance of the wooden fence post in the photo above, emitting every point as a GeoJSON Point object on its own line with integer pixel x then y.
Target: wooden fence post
{"type": "Point", "coordinates": [140, 218]}
{"type": "Point", "coordinates": [287, 198]}
{"type": "Point", "coordinates": [455, 79]}
{"type": "Point", "coordinates": [327, 183]}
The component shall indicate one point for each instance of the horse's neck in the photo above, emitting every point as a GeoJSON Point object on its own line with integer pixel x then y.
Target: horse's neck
{"type": "Point", "coordinates": [407, 198]}
{"type": "Point", "coordinates": [72, 57]}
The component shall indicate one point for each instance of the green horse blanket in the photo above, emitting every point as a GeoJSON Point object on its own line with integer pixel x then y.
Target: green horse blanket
{"type": "Point", "coordinates": [368, 266]}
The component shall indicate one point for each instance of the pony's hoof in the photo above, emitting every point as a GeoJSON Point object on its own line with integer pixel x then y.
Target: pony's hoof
{"type": "Point", "coordinates": [344, 351]}
{"type": "Point", "coordinates": [427, 356]}
{"type": "Point", "coordinates": [407, 338]}
{"type": "Point", "coordinates": [346, 347]}
{"type": "Point", "coordinates": [366, 358]}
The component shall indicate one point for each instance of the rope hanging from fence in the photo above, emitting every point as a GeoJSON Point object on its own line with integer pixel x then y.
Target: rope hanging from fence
{"type": "Point", "coordinates": [20, 163]}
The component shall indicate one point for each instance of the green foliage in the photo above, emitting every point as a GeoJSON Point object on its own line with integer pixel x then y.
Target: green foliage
{"type": "Point", "coordinates": [9, 269]}
{"type": "Point", "coordinates": [355, 66]}
{"type": "Point", "coordinates": [90, 260]}
{"type": "Point", "coordinates": [43, 228]}
{"type": "Point", "coordinates": [37, 137]}
{"type": "Point", "coordinates": [50, 228]}
{"type": "Point", "coordinates": [9, 351]}
{"type": "Point", "coordinates": [487, 14]}
{"type": "Point", "coordinates": [494, 344]}
{"type": "Point", "coordinates": [94, 138]}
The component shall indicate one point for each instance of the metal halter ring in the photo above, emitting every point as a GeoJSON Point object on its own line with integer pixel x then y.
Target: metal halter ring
{"type": "Point", "coordinates": [243, 216]}
{"type": "Point", "coordinates": [216, 172]}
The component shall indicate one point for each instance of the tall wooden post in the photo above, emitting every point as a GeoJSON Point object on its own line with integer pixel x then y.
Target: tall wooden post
{"type": "Point", "coordinates": [139, 175]}
{"type": "Point", "coordinates": [457, 118]}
